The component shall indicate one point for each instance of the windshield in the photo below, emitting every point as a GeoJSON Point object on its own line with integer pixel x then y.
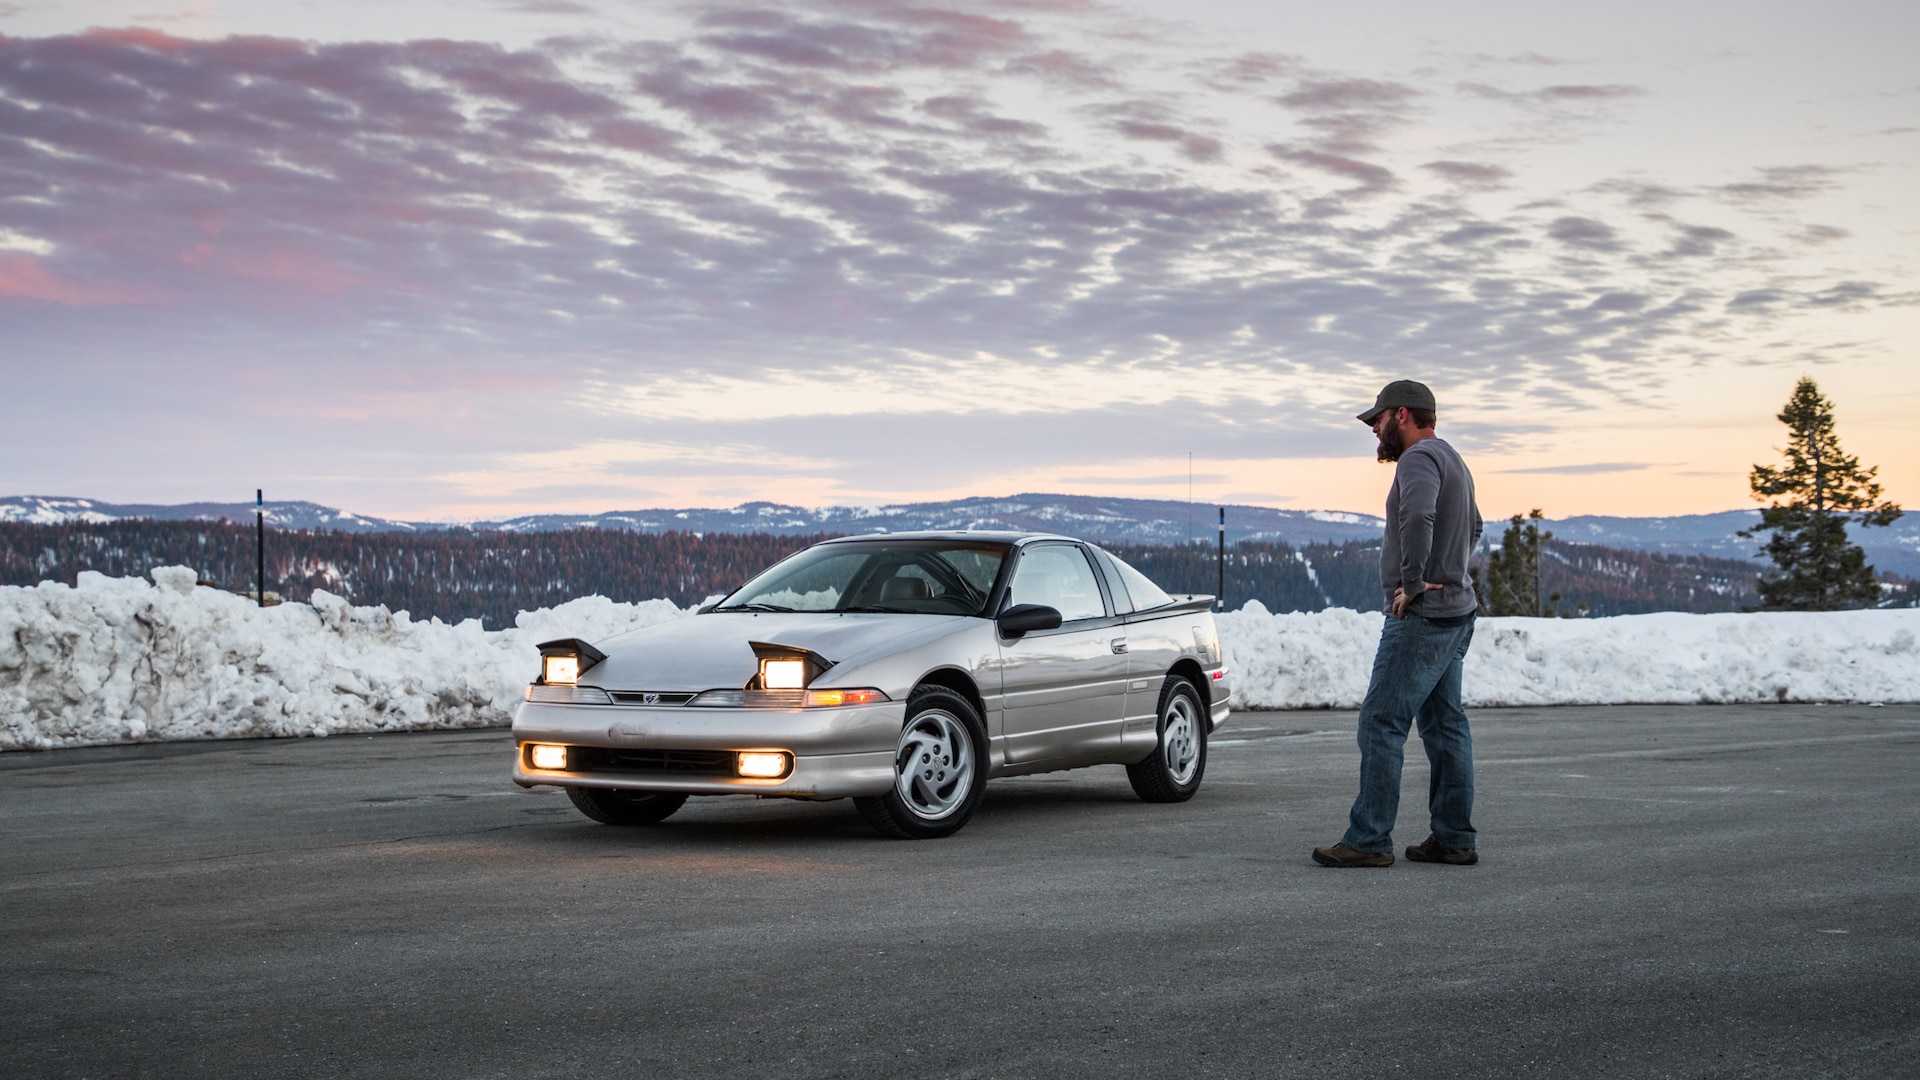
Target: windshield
{"type": "Point", "coordinates": [932, 577]}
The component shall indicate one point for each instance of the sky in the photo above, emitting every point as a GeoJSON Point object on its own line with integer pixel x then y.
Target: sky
{"type": "Point", "coordinates": [451, 261]}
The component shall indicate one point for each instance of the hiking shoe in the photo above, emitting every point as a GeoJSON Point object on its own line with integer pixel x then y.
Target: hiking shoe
{"type": "Point", "coordinates": [1432, 850]}
{"type": "Point", "coordinates": [1342, 855]}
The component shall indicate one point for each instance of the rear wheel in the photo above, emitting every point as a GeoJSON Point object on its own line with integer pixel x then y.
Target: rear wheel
{"type": "Point", "coordinates": [610, 807]}
{"type": "Point", "coordinates": [939, 769]}
{"type": "Point", "coordinates": [1172, 772]}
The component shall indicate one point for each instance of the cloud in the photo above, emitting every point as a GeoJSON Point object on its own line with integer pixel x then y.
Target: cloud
{"type": "Point", "coordinates": [1529, 59]}
{"type": "Point", "coordinates": [1145, 121]}
{"type": "Point", "coordinates": [1781, 182]}
{"type": "Point", "coordinates": [1585, 233]}
{"type": "Point", "coordinates": [899, 36]}
{"type": "Point", "coordinates": [1572, 94]}
{"type": "Point", "coordinates": [1640, 194]}
{"type": "Point", "coordinates": [1821, 234]}
{"type": "Point", "coordinates": [1349, 94]}
{"type": "Point", "coordinates": [1061, 67]}
{"type": "Point", "coordinates": [1758, 300]}
{"type": "Point", "coordinates": [26, 277]}
{"type": "Point", "coordinates": [1473, 232]}
{"type": "Point", "coordinates": [549, 7]}
{"type": "Point", "coordinates": [1698, 240]}
{"type": "Point", "coordinates": [790, 220]}
{"type": "Point", "coordinates": [1370, 178]}
{"type": "Point", "coordinates": [1619, 301]}
{"type": "Point", "coordinates": [1473, 174]}
{"type": "Point", "coordinates": [1247, 70]}
{"type": "Point", "coordinates": [1594, 469]}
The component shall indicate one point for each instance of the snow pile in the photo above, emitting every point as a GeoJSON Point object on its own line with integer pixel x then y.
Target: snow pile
{"type": "Point", "coordinates": [1322, 660]}
{"type": "Point", "coordinates": [117, 660]}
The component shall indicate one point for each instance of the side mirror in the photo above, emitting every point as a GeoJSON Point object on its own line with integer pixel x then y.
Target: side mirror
{"type": "Point", "coordinates": [1022, 618]}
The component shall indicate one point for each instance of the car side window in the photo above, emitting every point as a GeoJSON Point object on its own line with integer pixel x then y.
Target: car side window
{"type": "Point", "coordinates": [1059, 576]}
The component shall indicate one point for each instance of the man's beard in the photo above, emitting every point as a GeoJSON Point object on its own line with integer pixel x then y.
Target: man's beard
{"type": "Point", "coordinates": [1392, 443]}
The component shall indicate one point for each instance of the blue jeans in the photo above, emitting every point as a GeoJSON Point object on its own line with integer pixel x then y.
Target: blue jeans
{"type": "Point", "coordinates": [1416, 677]}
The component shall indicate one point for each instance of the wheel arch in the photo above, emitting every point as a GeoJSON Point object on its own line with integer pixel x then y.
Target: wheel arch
{"type": "Point", "coordinates": [960, 683]}
{"type": "Point", "coordinates": [1189, 669]}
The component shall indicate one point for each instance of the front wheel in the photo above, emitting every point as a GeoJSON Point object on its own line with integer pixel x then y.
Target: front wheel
{"type": "Point", "coordinates": [939, 769]}
{"type": "Point", "coordinates": [1172, 772]}
{"type": "Point", "coordinates": [611, 807]}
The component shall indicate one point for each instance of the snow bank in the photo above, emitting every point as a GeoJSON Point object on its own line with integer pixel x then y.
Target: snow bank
{"type": "Point", "coordinates": [118, 660]}
{"type": "Point", "coordinates": [1322, 660]}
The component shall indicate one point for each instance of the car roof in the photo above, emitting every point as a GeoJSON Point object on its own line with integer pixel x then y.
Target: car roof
{"type": "Point", "coordinates": [997, 536]}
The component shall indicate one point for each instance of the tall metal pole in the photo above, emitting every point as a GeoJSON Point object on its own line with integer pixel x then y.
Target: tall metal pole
{"type": "Point", "coordinates": [260, 544]}
{"type": "Point", "coordinates": [1220, 597]}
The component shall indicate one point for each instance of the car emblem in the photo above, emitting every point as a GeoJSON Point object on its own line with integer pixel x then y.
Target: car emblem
{"type": "Point", "coordinates": [649, 699]}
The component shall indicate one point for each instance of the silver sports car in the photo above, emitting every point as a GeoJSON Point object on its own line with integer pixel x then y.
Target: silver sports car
{"type": "Point", "coordinates": [903, 671]}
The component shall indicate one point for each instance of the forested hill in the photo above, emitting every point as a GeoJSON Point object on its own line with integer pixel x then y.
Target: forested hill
{"type": "Point", "coordinates": [1103, 520]}
{"type": "Point", "coordinates": [490, 576]}
{"type": "Point", "coordinates": [493, 576]}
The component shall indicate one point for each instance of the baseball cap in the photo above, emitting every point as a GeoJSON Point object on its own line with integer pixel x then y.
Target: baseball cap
{"type": "Point", "coordinates": [1405, 394]}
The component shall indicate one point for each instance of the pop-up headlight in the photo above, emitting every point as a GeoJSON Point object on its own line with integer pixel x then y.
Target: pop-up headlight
{"type": "Point", "coordinates": [562, 661]}
{"type": "Point", "coordinates": [786, 667]}
{"type": "Point", "coordinates": [783, 674]}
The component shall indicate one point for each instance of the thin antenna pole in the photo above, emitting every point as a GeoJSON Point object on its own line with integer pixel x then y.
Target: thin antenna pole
{"type": "Point", "coordinates": [260, 545]}
{"type": "Point", "coordinates": [1220, 600]}
{"type": "Point", "coordinates": [1189, 498]}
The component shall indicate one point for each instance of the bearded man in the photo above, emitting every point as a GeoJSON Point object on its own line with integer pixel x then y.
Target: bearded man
{"type": "Point", "coordinates": [1432, 527]}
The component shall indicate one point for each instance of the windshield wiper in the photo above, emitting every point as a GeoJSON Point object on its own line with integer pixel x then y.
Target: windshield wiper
{"type": "Point", "coordinates": [881, 608]}
{"type": "Point", "coordinates": [753, 607]}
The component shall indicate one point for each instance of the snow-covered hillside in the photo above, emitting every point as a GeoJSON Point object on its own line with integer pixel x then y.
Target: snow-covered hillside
{"type": "Point", "coordinates": [119, 660]}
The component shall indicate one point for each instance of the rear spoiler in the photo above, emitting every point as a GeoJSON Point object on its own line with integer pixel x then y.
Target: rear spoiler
{"type": "Point", "coordinates": [1191, 603]}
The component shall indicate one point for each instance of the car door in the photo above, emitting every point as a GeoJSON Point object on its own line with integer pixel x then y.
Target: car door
{"type": "Point", "coordinates": [1064, 689]}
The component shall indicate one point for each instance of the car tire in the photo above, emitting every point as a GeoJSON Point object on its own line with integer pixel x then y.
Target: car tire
{"type": "Point", "coordinates": [610, 807]}
{"type": "Point", "coordinates": [1172, 772]}
{"type": "Point", "coordinates": [940, 769]}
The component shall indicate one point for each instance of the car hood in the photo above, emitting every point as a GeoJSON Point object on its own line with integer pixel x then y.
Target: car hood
{"type": "Point", "coordinates": [707, 652]}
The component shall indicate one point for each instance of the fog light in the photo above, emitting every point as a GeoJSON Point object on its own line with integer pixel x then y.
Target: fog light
{"type": "Point", "coordinates": [763, 766]}
{"type": "Point", "coordinates": [783, 674]}
{"type": "Point", "coordinates": [548, 756]}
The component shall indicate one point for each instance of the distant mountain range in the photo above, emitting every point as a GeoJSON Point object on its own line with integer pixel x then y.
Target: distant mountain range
{"type": "Point", "coordinates": [1106, 520]}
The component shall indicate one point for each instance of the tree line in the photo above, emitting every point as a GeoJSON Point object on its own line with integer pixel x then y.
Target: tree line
{"type": "Point", "coordinates": [1582, 579]}
{"type": "Point", "coordinates": [453, 575]}
{"type": "Point", "coordinates": [492, 576]}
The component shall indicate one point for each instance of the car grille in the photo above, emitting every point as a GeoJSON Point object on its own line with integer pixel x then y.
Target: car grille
{"type": "Point", "coordinates": [675, 762]}
{"type": "Point", "coordinates": [639, 697]}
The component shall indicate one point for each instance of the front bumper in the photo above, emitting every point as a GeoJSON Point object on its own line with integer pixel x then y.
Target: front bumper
{"type": "Point", "coordinates": [836, 752]}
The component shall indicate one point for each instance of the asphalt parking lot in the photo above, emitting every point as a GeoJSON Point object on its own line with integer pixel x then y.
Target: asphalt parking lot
{"type": "Point", "coordinates": [1664, 891]}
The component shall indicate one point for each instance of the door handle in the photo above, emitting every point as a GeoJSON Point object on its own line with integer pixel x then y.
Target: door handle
{"type": "Point", "coordinates": [1119, 644]}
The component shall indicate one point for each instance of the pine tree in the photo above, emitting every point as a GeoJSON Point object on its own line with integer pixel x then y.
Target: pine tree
{"type": "Point", "coordinates": [1814, 494]}
{"type": "Point", "coordinates": [1512, 585]}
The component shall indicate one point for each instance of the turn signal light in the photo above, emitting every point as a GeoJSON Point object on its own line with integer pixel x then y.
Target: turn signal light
{"type": "Point", "coordinates": [832, 698]}
{"type": "Point", "coordinates": [762, 765]}
{"type": "Point", "coordinates": [547, 756]}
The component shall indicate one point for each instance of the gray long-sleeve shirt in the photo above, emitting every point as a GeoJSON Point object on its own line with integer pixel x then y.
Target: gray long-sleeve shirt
{"type": "Point", "coordinates": [1432, 526]}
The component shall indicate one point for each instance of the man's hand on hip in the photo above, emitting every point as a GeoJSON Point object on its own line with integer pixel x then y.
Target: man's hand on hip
{"type": "Point", "coordinates": [1401, 599]}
